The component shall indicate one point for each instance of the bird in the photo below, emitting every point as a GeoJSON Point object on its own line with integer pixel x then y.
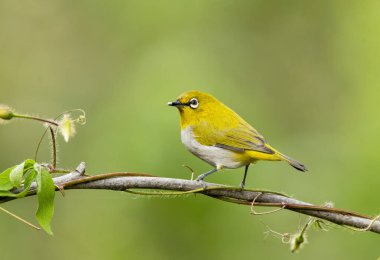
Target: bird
{"type": "Point", "coordinates": [219, 136]}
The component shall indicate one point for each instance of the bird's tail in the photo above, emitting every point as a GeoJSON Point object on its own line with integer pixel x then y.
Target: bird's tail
{"type": "Point", "coordinates": [294, 163]}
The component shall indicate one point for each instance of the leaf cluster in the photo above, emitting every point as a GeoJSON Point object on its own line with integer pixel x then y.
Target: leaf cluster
{"type": "Point", "coordinates": [17, 181]}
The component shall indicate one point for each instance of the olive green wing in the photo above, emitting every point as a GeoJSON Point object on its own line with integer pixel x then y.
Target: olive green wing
{"type": "Point", "coordinates": [242, 138]}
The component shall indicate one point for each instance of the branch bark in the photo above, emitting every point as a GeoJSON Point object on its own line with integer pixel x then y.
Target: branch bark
{"type": "Point", "coordinates": [124, 181]}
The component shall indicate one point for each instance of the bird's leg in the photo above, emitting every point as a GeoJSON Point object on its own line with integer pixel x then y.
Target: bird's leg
{"type": "Point", "coordinates": [202, 176]}
{"type": "Point", "coordinates": [242, 184]}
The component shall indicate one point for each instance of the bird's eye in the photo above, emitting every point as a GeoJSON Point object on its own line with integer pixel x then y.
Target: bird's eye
{"type": "Point", "coordinates": [193, 103]}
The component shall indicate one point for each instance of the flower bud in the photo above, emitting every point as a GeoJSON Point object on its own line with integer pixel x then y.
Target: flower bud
{"type": "Point", "coordinates": [5, 113]}
{"type": "Point", "coordinates": [297, 241]}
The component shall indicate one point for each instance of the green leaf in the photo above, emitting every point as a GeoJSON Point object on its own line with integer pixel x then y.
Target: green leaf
{"type": "Point", "coordinates": [16, 174]}
{"type": "Point", "coordinates": [45, 194]}
{"type": "Point", "coordinates": [5, 183]}
{"type": "Point", "coordinates": [29, 164]}
{"type": "Point", "coordinates": [30, 177]}
{"type": "Point", "coordinates": [6, 193]}
{"type": "Point", "coordinates": [12, 177]}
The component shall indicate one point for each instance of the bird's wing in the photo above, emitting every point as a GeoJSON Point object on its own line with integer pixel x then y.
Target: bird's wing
{"type": "Point", "coordinates": [238, 139]}
{"type": "Point", "coordinates": [242, 138]}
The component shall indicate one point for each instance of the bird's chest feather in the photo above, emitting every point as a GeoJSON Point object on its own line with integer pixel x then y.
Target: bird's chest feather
{"type": "Point", "coordinates": [215, 156]}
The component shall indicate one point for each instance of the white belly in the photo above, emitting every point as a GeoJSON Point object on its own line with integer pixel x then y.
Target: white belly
{"type": "Point", "coordinates": [218, 157]}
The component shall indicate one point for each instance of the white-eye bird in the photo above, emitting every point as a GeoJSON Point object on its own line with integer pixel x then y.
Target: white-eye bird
{"type": "Point", "coordinates": [216, 134]}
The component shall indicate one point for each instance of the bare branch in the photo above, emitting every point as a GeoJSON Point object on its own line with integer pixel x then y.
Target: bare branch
{"type": "Point", "coordinates": [125, 181]}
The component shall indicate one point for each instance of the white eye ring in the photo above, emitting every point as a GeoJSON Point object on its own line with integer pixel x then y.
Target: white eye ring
{"type": "Point", "coordinates": [193, 103]}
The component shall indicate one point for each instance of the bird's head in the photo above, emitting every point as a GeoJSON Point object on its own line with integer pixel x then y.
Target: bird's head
{"type": "Point", "coordinates": [195, 106]}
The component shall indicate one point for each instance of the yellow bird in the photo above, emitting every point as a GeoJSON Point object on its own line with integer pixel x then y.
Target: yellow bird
{"type": "Point", "coordinates": [216, 134]}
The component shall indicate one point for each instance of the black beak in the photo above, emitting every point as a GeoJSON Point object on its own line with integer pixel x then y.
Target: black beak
{"type": "Point", "coordinates": [175, 103]}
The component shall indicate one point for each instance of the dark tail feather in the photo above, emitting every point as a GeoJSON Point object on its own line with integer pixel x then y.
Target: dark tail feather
{"type": "Point", "coordinates": [294, 163]}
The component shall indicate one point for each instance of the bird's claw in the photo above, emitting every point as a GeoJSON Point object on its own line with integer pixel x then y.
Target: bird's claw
{"type": "Point", "coordinates": [201, 182]}
{"type": "Point", "coordinates": [200, 177]}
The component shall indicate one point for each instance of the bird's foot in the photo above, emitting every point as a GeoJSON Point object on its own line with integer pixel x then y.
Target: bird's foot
{"type": "Point", "coordinates": [201, 177]}
{"type": "Point", "coordinates": [200, 180]}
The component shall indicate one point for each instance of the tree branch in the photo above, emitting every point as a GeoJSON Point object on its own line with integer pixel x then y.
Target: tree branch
{"type": "Point", "coordinates": [124, 181]}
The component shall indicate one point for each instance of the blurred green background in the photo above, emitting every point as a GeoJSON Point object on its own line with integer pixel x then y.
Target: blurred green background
{"type": "Point", "coordinates": [304, 73]}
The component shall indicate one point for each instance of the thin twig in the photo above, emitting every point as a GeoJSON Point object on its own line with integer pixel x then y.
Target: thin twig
{"type": "Point", "coordinates": [253, 212]}
{"type": "Point", "coordinates": [53, 147]}
{"type": "Point", "coordinates": [36, 118]}
{"type": "Point", "coordinates": [19, 218]}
